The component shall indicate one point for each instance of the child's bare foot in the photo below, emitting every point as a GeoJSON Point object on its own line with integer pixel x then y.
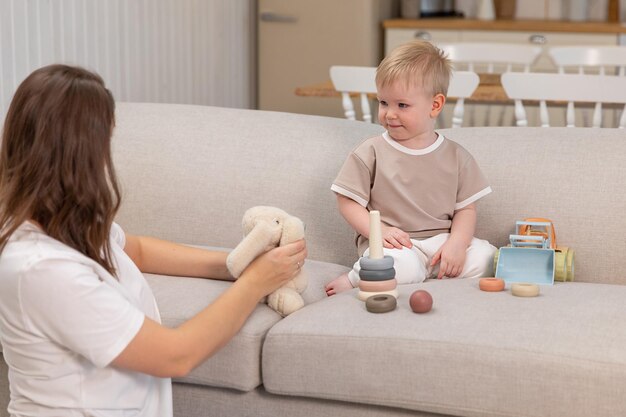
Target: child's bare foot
{"type": "Point", "coordinates": [339, 284]}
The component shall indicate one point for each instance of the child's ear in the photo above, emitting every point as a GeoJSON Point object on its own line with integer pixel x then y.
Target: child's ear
{"type": "Point", "coordinates": [437, 106]}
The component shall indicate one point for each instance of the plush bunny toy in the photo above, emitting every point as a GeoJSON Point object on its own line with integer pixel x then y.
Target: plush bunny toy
{"type": "Point", "coordinates": [265, 228]}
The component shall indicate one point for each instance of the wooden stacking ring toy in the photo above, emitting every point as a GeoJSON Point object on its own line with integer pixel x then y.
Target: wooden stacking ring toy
{"type": "Point", "coordinates": [378, 286]}
{"type": "Point", "coordinates": [525, 290]}
{"type": "Point", "coordinates": [380, 275]}
{"type": "Point", "coordinates": [491, 284]}
{"type": "Point", "coordinates": [376, 264]}
{"type": "Point", "coordinates": [364, 295]}
{"type": "Point", "coordinates": [381, 303]}
{"type": "Point", "coordinates": [377, 274]}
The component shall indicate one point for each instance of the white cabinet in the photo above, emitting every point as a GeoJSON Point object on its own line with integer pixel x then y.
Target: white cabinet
{"type": "Point", "coordinates": [299, 40]}
{"type": "Point", "coordinates": [395, 37]}
{"type": "Point", "coordinates": [546, 34]}
{"type": "Point", "coordinates": [547, 39]}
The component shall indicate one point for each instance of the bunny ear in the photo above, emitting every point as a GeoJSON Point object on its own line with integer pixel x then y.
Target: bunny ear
{"type": "Point", "coordinates": [293, 229]}
{"type": "Point", "coordinates": [255, 243]}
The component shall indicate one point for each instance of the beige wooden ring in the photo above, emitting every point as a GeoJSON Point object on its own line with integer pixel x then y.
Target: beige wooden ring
{"type": "Point", "coordinates": [381, 303]}
{"type": "Point", "coordinates": [364, 295]}
{"type": "Point", "coordinates": [491, 284]}
{"type": "Point", "coordinates": [525, 290]}
{"type": "Point", "coordinates": [378, 286]}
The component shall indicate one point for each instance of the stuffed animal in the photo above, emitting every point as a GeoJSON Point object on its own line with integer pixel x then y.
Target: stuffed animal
{"type": "Point", "coordinates": [265, 228]}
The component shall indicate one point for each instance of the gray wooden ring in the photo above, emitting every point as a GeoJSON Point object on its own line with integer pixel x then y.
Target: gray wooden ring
{"type": "Point", "coordinates": [381, 303]}
{"type": "Point", "coordinates": [376, 264]}
{"type": "Point", "coordinates": [380, 275]}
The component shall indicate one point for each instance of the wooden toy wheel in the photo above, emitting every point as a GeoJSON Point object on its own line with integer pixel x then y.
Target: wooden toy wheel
{"type": "Point", "coordinates": [495, 260]}
{"type": "Point", "coordinates": [569, 262]}
{"type": "Point", "coordinates": [560, 267]}
{"type": "Point", "coordinates": [564, 263]}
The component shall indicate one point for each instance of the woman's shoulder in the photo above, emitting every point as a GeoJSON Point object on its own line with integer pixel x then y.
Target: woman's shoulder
{"type": "Point", "coordinates": [31, 249]}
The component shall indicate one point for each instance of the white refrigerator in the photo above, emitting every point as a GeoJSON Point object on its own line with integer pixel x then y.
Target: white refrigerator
{"type": "Point", "coordinates": [298, 41]}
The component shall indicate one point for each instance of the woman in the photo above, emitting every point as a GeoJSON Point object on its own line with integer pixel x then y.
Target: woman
{"type": "Point", "coordinates": [79, 326]}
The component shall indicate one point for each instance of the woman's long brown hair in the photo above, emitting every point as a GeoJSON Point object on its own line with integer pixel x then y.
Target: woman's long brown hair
{"type": "Point", "coordinates": [55, 160]}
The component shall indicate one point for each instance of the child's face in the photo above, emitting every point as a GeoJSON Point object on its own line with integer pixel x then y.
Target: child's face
{"type": "Point", "coordinates": [408, 113]}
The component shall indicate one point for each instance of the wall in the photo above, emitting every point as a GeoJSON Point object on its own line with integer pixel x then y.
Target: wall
{"type": "Point", "coordinates": [178, 51]}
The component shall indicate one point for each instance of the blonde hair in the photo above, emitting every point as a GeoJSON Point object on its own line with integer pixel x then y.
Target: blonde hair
{"type": "Point", "coordinates": [413, 61]}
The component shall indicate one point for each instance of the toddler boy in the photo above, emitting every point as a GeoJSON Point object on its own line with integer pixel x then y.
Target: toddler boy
{"type": "Point", "coordinates": [423, 184]}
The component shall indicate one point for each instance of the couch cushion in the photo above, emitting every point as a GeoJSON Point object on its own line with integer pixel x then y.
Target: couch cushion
{"type": "Point", "coordinates": [474, 354]}
{"type": "Point", "coordinates": [238, 364]}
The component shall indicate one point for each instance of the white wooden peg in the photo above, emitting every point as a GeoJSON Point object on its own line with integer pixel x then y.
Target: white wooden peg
{"type": "Point", "coordinates": [376, 239]}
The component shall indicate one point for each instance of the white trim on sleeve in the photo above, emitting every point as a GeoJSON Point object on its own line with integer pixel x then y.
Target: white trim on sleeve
{"type": "Point", "coordinates": [349, 194]}
{"type": "Point", "coordinates": [473, 198]}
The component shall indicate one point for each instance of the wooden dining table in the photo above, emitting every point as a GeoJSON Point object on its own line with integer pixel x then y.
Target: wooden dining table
{"type": "Point", "coordinates": [489, 90]}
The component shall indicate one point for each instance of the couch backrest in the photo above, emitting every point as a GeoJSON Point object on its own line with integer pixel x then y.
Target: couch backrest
{"type": "Point", "coordinates": [573, 176]}
{"type": "Point", "coordinates": [189, 172]}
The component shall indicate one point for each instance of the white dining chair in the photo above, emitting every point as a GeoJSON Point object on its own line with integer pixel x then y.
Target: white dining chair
{"type": "Point", "coordinates": [362, 80]}
{"type": "Point", "coordinates": [570, 88]}
{"type": "Point", "coordinates": [491, 58]}
{"type": "Point", "coordinates": [496, 56]}
{"type": "Point", "coordinates": [589, 59]}
{"type": "Point", "coordinates": [584, 59]}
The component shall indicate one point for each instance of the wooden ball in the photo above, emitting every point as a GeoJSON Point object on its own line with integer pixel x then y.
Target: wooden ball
{"type": "Point", "coordinates": [421, 301]}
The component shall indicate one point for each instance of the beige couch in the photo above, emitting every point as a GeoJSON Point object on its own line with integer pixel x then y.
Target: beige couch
{"type": "Point", "coordinates": [189, 173]}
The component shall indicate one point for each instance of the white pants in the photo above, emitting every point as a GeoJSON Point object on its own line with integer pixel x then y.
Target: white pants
{"type": "Point", "coordinates": [413, 265]}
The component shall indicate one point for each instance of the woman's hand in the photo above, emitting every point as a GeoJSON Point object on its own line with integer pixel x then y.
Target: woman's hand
{"type": "Point", "coordinates": [395, 238]}
{"type": "Point", "coordinates": [275, 268]}
{"type": "Point", "coordinates": [164, 352]}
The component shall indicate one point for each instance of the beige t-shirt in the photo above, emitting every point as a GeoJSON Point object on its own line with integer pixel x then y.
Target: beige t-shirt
{"type": "Point", "coordinates": [415, 190]}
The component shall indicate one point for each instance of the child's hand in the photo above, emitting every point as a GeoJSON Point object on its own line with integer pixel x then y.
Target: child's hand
{"type": "Point", "coordinates": [395, 238]}
{"type": "Point", "coordinates": [452, 258]}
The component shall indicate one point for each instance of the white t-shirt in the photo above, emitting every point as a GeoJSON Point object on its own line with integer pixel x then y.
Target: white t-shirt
{"type": "Point", "coordinates": [63, 319]}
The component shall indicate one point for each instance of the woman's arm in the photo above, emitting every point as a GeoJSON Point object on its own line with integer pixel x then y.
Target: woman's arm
{"type": "Point", "coordinates": [162, 257]}
{"type": "Point", "coordinates": [164, 352]}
